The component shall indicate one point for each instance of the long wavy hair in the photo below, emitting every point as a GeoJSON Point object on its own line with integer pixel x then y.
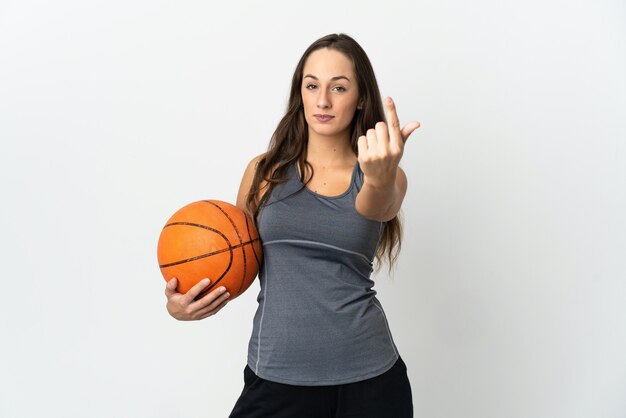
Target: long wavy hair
{"type": "Point", "coordinates": [289, 141]}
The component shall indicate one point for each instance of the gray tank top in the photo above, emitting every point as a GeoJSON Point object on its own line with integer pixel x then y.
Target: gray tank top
{"type": "Point", "coordinates": [318, 321]}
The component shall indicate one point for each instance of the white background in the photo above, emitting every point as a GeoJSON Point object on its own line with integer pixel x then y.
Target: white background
{"type": "Point", "coordinates": [509, 296]}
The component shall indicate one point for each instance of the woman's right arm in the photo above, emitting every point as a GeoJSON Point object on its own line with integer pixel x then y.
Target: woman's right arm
{"type": "Point", "coordinates": [185, 307]}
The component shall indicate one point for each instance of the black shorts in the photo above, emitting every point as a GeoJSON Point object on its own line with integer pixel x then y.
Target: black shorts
{"type": "Point", "coordinates": [384, 396]}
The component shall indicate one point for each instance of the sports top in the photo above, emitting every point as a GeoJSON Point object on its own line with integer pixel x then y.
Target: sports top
{"type": "Point", "coordinates": [318, 321]}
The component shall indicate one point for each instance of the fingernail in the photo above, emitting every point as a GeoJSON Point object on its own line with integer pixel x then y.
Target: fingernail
{"type": "Point", "coordinates": [222, 289]}
{"type": "Point", "coordinates": [206, 281]}
{"type": "Point", "coordinates": [227, 295]}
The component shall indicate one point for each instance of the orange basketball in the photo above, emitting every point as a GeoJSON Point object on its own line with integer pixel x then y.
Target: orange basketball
{"type": "Point", "coordinates": [213, 239]}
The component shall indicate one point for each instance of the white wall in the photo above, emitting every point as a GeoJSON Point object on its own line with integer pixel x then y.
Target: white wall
{"type": "Point", "coordinates": [508, 299]}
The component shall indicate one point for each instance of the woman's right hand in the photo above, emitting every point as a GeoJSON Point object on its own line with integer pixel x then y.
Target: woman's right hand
{"type": "Point", "coordinates": [184, 307]}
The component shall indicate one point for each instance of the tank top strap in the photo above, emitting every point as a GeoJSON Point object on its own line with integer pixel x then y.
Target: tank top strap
{"type": "Point", "coordinates": [357, 176]}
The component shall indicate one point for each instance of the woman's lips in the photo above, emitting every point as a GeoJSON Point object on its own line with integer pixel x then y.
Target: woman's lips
{"type": "Point", "coordinates": [323, 118]}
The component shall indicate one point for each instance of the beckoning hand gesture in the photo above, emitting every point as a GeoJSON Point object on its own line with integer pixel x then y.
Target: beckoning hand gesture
{"type": "Point", "coordinates": [381, 149]}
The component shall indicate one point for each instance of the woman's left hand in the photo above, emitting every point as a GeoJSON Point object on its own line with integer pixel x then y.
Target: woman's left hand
{"type": "Point", "coordinates": [381, 149]}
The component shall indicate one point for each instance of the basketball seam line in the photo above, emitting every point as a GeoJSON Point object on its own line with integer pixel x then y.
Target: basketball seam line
{"type": "Point", "coordinates": [243, 250]}
{"type": "Point", "coordinates": [256, 256]}
{"type": "Point", "coordinates": [230, 248]}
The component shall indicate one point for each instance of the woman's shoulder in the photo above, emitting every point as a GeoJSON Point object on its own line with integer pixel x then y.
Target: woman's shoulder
{"type": "Point", "coordinates": [248, 179]}
{"type": "Point", "coordinates": [254, 162]}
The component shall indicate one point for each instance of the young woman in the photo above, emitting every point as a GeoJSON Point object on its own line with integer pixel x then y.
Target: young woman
{"type": "Point", "coordinates": [325, 197]}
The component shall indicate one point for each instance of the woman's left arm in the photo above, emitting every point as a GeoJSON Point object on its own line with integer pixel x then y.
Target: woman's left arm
{"type": "Point", "coordinates": [384, 182]}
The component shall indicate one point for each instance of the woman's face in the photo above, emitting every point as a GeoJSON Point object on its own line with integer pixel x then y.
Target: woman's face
{"type": "Point", "coordinates": [329, 93]}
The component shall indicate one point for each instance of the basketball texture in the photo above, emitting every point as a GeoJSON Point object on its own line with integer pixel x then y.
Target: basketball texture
{"type": "Point", "coordinates": [210, 239]}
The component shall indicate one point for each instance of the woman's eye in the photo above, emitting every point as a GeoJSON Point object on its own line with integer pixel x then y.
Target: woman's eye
{"type": "Point", "coordinates": [310, 86]}
{"type": "Point", "coordinates": [340, 89]}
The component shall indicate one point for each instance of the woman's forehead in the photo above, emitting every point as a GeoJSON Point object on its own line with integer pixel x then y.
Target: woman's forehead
{"type": "Point", "coordinates": [328, 63]}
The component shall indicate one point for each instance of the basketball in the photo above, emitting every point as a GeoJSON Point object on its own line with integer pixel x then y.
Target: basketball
{"type": "Point", "coordinates": [210, 239]}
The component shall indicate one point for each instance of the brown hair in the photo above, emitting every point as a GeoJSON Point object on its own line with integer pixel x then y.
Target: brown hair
{"type": "Point", "coordinates": [289, 141]}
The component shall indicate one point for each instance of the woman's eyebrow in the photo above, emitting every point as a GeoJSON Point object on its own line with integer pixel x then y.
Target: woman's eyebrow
{"type": "Point", "coordinates": [339, 77]}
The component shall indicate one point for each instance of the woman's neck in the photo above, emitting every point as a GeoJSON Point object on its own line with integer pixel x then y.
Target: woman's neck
{"type": "Point", "coordinates": [328, 151]}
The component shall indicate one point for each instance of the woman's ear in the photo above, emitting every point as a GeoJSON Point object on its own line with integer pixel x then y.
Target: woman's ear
{"type": "Point", "coordinates": [360, 105]}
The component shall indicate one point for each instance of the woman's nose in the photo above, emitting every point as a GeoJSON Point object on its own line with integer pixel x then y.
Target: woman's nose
{"type": "Point", "coordinates": [323, 101]}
